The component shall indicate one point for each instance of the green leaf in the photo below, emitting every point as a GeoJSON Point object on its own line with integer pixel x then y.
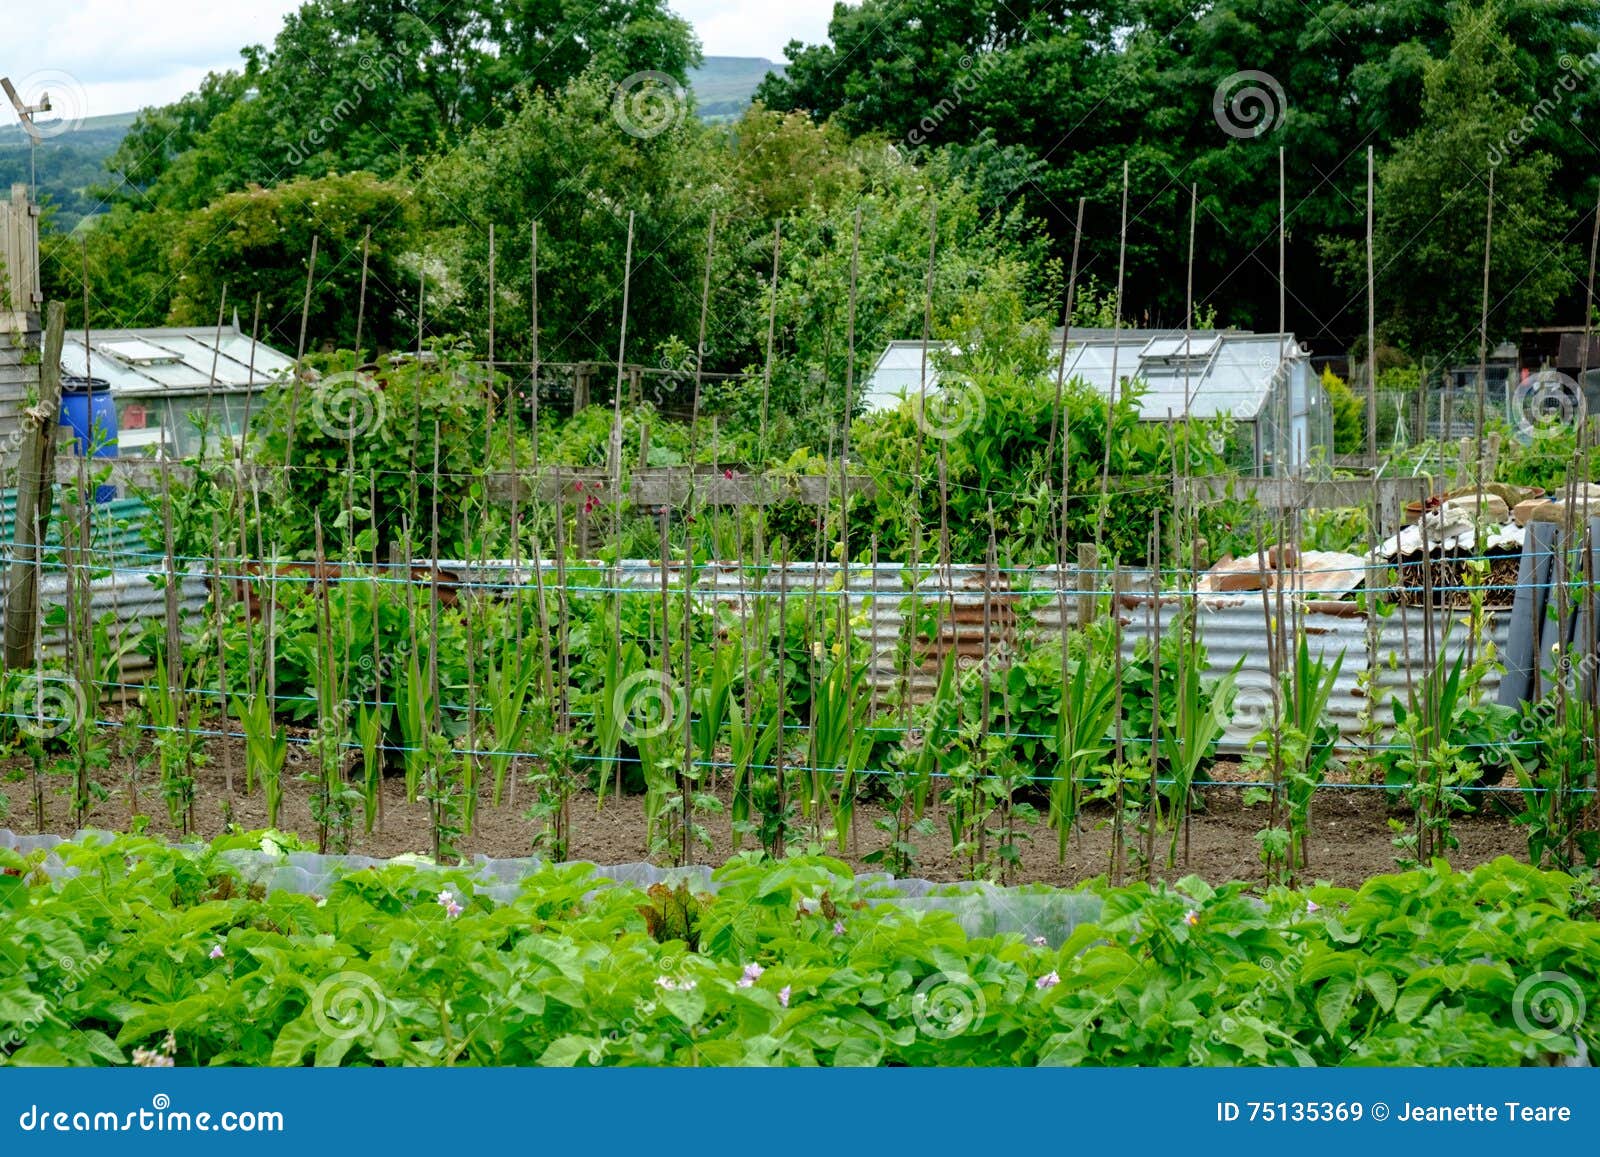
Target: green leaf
{"type": "Point", "coordinates": [1333, 1002]}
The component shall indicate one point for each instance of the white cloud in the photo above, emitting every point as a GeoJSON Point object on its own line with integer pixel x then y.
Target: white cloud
{"type": "Point", "coordinates": [755, 27]}
{"type": "Point", "coordinates": [119, 55]}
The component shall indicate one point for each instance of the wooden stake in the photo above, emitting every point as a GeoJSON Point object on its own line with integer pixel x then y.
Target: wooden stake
{"type": "Point", "coordinates": [36, 472]}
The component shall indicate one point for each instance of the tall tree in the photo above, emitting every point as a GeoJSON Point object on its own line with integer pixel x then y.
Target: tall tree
{"type": "Point", "coordinates": [1073, 88]}
{"type": "Point", "coordinates": [1433, 198]}
{"type": "Point", "coordinates": [373, 85]}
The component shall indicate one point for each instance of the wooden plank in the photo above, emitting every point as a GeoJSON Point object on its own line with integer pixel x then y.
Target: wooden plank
{"type": "Point", "coordinates": [1304, 494]}
{"type": "Point", "coordinates": [667, 487]}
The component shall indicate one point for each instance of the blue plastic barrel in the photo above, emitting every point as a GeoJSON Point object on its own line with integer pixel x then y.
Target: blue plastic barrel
{"type": "Point", "coordinates": [90, 412]}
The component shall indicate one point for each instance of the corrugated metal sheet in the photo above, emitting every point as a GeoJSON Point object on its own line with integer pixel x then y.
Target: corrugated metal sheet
{"type": "Point", "coordinates": [981, 618]}
{"type": "Point", "coordinates": [1232, 629]}
{"type": "Point", "coordinates": [131, 596]}
{"type": "Point", "coordinates": [117, 526]}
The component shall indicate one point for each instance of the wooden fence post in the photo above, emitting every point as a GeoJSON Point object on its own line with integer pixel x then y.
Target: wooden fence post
{"type": "Point", "coordinates": [36, 480]}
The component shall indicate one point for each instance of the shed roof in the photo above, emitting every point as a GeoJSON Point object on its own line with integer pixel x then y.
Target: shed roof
{"type": "Point", "coordinates": [174, 361]}
{"type": "Point", "coordinates": [1204, 374]}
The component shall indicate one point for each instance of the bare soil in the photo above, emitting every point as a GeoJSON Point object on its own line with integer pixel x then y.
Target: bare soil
{"type": "Point", "coordinates": [1350, 838]}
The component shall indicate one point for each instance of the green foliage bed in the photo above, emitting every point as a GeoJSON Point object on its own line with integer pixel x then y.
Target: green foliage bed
{"type": "Point", "coordinates": [788, 964]}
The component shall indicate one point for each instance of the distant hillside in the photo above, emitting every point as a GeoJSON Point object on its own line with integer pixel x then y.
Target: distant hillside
{"type": "Point", "coordinates": [723, 85]}
{"type": "Point", "coordinates": [69, 164]}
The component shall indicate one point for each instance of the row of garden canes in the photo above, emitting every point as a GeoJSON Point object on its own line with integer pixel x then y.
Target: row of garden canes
{"type": "Point", "coordinates": [680, 697]}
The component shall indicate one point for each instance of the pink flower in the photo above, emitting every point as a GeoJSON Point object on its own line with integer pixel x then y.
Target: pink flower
{"type": "Point", "coordinates": [838, 927]}
{"type": "Point", "coordinates": [728, 474]}
{"type": "Point", "coordinates": [216, 952]}
{"type": "Point", "coordinates": [783, 996]}
{"type": "Point", "coordinates": [1039, 941]}
{"type": "Point", "coordinates": [1313, 906]}
{"type": "Point", "coordinates": [752, 973]}
{"type": "Point", "coordinates": [1191, 917]}
{"type": "Point", "coordinates": [451, 911]}
{"type": "Point", "coordinates": [1047, 981]}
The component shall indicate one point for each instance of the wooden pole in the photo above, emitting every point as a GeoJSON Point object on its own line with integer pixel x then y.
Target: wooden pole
{"type": "Point", "coordinates": [1483, 350]}
{"type": "Point", "coordinates": [361, 301]}
{"type": "Point", "coordinates": [1116, 342]}
{"type": "Point", "coordinates": [772, 331]}
{"type": "Point", "coordinates": [36, 473]}
{"type": "Point", "coordinates": [1372, 331]}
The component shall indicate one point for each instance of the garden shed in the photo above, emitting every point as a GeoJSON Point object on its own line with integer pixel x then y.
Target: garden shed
{"type": "Point", "coordinates": [168, 383]}
{"type": "Point", "coordinates": [1263, 382]}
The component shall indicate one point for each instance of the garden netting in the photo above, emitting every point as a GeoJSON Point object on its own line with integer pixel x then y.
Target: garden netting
{"type": "Point", "coordinates": [1034, 911]}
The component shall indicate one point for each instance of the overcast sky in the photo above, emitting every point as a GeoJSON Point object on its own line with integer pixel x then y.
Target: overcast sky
{"type": "Point", "coordinates": [107, 56]}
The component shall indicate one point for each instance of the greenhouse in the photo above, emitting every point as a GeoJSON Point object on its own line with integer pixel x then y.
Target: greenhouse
{"type": "Point", "coordinates": [168, 383]}
{"type": "Point", "coordinates": [1282, 422]}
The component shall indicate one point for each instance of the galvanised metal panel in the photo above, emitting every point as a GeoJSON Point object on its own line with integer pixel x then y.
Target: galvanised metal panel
{"type": "Point", "coordinates": [1233, 629]}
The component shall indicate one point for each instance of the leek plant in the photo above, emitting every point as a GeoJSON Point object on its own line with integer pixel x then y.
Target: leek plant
{"type": "Point", "coordinates": [266, 745]}
{"type": "Point", "coordinates": [414, 707]}
{"type": "Point", "coordinates": [759, 804]}
{"type": "Point", "coordinates": [1301, 746]}
{"type": "Point", "coordinates": [513, 711]}
{"type": "Point", "coordinates": [371, 723]}
{"type": "Point", "coordinates": [840, 738]}
{"type": "Point", "coordinates": [1083, 728]}
{"type": "Point", "coordinates": [175, 746]}
{"type": "Point", "coordinates": [1191, 737]}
